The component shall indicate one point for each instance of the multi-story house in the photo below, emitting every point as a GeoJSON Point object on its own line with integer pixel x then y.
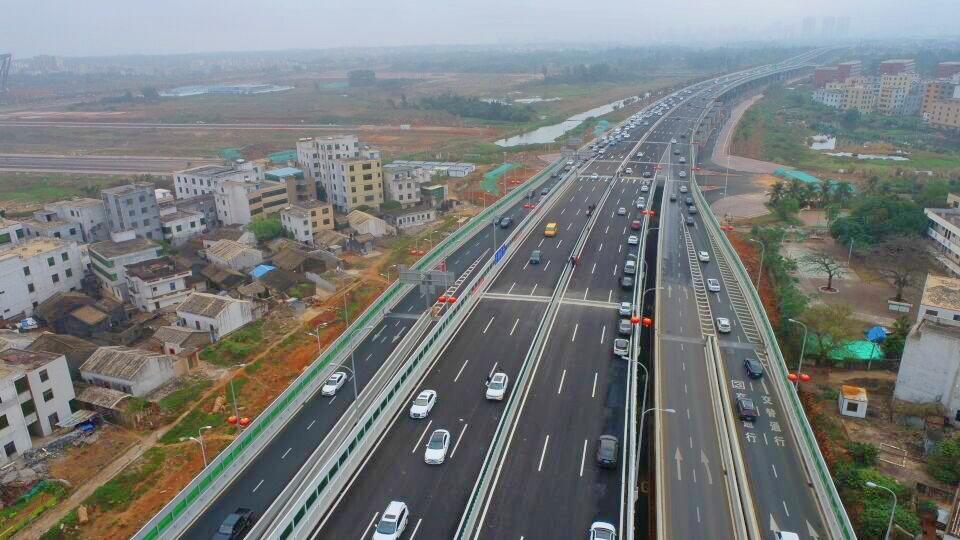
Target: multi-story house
{"type": "Point", "coordinates": [35, 270]}
{"type": "Point", "coordinates": [157, 284]}
{"type": "Point", "coordinates": [304, 220]}
{"type": "Point", "coordinates": [350, 174]}
{"type": "Point", "coordinates": [240, 202]}
{"type": "Point", "coordinates": [205, 179]}
{"type": "Point", "coordinates": [403, 183]}
{"type": "Point", "coordinates": [178, 226]}
{"type": "Point", "coordinates": [134, 208]}
{"type": "Point", "coordinates": [11, 233]}
{"type": "Point", "coordinates": [89, 214]}
{"type": "Point", "coordinates": [109, 259]}
{"type": "Point", "coordinates": [48, 224]}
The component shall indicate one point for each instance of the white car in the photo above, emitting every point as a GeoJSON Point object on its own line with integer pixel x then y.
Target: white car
{"type": "Point", "coordinates": [629, 170]}
{"type": "Point", "coordinates": [437, 447]}
{"type": "Point", "coordinates": [424, 403]}
{"type": "Point", "coordinates": [497, 387]}
{"type": "Point", "coordinates": [633, 240]}
{"type": "Point", "coordinates": [620, 347]}
{"type": "Point", "coordinates": [644, 188]}
{"type": "Point", "coordinates": [393, 521]}
{"type": "Point", "coordinates": [683, 174]}
{"type": "Point", "coordinates": [594, 176]}
{"type": "Point", "coordinates": [621, 211]}
{"type": "Point", "coordinates": [703, 256]}
{"type": "Point", "coordinates": [683, 189]}
{"type": "Point", "coordinates": [641, 204]}
{"type": "Point", "coordinates": [723, 325]}
{"type": "Point", "coordinates": [334, 383]}
{"type": "Point", "coordinates": [626, 309]}
{"type": "Point", "coordinates": [673, 141]}
{"type": "Point", "coordinates": [601, 530]}
{"type": "Point", "coordinates": [713, 285]}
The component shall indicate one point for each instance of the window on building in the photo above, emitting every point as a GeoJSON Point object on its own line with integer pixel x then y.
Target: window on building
{"type": "Point", "coordinates": [73, 231]}
{"type": "Point", "coordinates": [28, 407]}
{"type": "Point", "coordinates": [55, 277]}
{"type": "Point", "coordinates": [956, 317]}
{"type": "Point", "coordinates": [932, 312]}
{"type": "Point", "coordinates": [131, 213]}
{"type": "Point", "coordinates": [173, 286]}
{"type": "Point", "coordinates": [30, 287]}
{"type": "Point", "coordinates": [4, 423]}
{"type": "Point", "coordinates": [26, 270]}
{"type": "Point", "coordinates": [51, 261]}
{"type": "Point", "coordinates": [44, 376]}
{"type": "Point", "coordinates": [142, 198]}
{"type": "Point", "coordinates": [65, 256]}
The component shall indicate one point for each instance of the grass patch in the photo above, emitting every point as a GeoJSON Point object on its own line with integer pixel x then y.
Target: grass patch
{"type": "Point", "coordinates": [235, 348]}
{"type": "Point", "coordinates": [36, 187]}
{"type": "Point", "coordinates": [176, 402]}
{"type": "Point", "coordinates": [301, 290]}
{"type": "Point", "coordinates": [124, 488]}
{"type": "Point", "coordinates": [24, 511]}
{"type": "Point", "coordinates": [65, 529]}
{"type": "Point", "coordinates": [190, 424]}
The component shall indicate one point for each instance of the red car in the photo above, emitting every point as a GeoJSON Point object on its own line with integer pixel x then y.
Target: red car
{"type": "Point", "coordinates": [529, 206]}
{"type": "Point", "coordinates": [635, 224]}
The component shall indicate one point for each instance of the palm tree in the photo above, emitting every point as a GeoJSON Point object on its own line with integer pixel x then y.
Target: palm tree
{"type": "Point", "coordinates": [872, 185]}
{"type": "Point", "coordinates": [825, 193]}
{"type": "Point", "coordinates": [843, 193]}
{"type": "Point", "coordinates": [795, 190]}
{"type": "Point", "coordinates": [777, 191]}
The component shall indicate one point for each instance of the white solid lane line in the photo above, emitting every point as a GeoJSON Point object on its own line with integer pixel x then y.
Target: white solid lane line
{"type": "Point", "coordinates": [603, 332]}
{"type": "Point", "coordinates": [370, 525]}
{"type": "Point", "coordinates": [562, 377]}
{"type": "Point", "coordinates": [461, 370]}
{"type": "Point", "coordinates": [546, 266]}
{"type": "Point", "coordinates": [511, 287]}
{"type": "Point", "coordinates": [543, 454]}
{"type": "Point", "coordinates": [575, 328]}
{"type": "Point", "coordinates": [285, 453]}
{"type": "Point", "coordinates": [593, 392]}
{"type": "Point", "coordinates": [457, 444]}
{"type": "Point", "coordinates": [601, 247]}
{"type": "Point", "coordinates": [312, 422]}
{"type": "Point", "coordinates": [422, 435]}
{"type": "Point", "coordinates": [774, 467]}
{"type": "Point", "coordinates": [488, 324]}
{"type": "Point", "coordinates": [514, 326]}
{"type": "Point", "coordinates": [331, 399]}
{"type": "Point", "coordinates": [534, 289]}
{"type": "Point", "coordinates": [541, 242]}
{"type": "Point", "coordinates": [260, 483]}
{"type": "Point", "coordinates": [417, 527]}
{"type": "Point", "coordinates": [583, 457]}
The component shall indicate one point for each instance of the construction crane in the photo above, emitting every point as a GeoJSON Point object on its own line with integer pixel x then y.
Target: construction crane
{"type": "Point", "coordinates": [5, 60]}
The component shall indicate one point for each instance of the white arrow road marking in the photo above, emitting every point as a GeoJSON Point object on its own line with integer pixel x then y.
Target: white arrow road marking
{"type": "Point", "coordinates": [706, 466]}
{"type": "Point", "coordinates": [678, 459]}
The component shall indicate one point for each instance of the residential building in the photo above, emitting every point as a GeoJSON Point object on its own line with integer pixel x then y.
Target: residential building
{"type": "Point", "coordinates": [304, 220]}
{"type": "Point", "coordinates": [831, 97]}
{"type": "Point", "coordinates": [11, 233]}
{"type": "Point", "coordinates": [79, 315]}
{"type": "Point", "coordinates": [89, 214]}
{"type": "Point", "coordinates": [944, 230]}
{"type": "Point", "coordinates": [316, 155]}
{"type": "Point", "coordinates": [178, 226]}
{"type": "Point", "coordinates": [403, 183]}
{"type": "Point", "coordinates": [157, 284]}
{"type": "Point", "coordinates": [349, 173]}
{"type": "Point", "coordinates": [935, 92]}
{"type": "Point", "coordinates": [178, 340]}
{"type": "Point", "coordinates": [846, 70]}
{"type": "Point", "coordinates": [893, 92]}
{"type": "Point", "coordinates": [860, 93]}
{"type": "Point", "coordinates": [35, 395]}
{"type": "Point", "coordinates": [133, 207]}
{"type": "Point", "coordinates": [947, 69]}
{"type": "Point", "coordinates": [944, 114]}
{"type": "Point", "coordinates": [134, 371]}
{"type": "Point", "coordinates": [930, 367]}
{"type": "Point", "coordinates": [234, 255]}
{"type": "Point", "coordinates": [34, 271]}
{"type": "Point", "coordinates": [300, 188]}
{"type": "Point", "coordinates": [48, 224]}
{"type": "Point", "coordinates": [953, 200]}
{"type": "Point", "coordinates": [75, 350]}
{"type": "Point", "coordinates": [893, 67]}
{"type": "Point", "coordinates": [203, 204]}
{"type": "Point", "coordinates": [204, 180]}
{"type": "Point", "coordinates": [109, 259]}
{"type": "Point", "coordinates": [240, 202]}
{"type": "Point", "coordinates": [409, 218]}
{"type": "Point", "coordinates": [824, 75]}
{"type": "Point", "coordinates": [364, 223]}
{"type": "Point", "coordinates": [218, 315]}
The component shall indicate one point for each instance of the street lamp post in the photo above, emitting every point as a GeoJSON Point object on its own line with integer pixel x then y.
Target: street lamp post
{"type": "Point", "coordinates": [199, 440]}
{"type": "Point", "coordinates": [803, 347]}
{"type": "Point", "coordinates": [893, 510]}
{"type": "Point", "coordinates": [644, 413]}
{"type": "Point", "coordinates": [763, 253]}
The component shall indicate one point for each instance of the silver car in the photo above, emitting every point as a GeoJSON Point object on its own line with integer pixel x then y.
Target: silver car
{"type": "Point", "coordinates": [723, 325]}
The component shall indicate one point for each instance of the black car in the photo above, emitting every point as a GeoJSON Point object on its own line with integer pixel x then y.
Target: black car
{"type": "Point", "coordinates": [689, 220]}
{"type": "Point", "coordinates": [746, 410]}
{"type": "Point", "coordinates": [236, 526]}
{"type": "Point", "coordinates": [647, 174]}
{"type": "Point", "coordinates": [754, 368]}
{"type": "Point", "coordinates": [673, 197]}
{"type": "Point", "coordinates": [608, 448]}
{"type": "Point", "coordinates": [626, 282]}
{"type": "Point", "coordinates": [506, 222]}
{"type": "Point", "coordinates": [544, 191]}
{"type": "Point", "coordinates": [689, 201]}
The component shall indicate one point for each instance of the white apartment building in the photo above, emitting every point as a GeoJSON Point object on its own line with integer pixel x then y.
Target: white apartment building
{"type": "Point", "coordinates": [218, 315]}
{"type": "Point", "coordinates": [240, 202]}
{"type": "Point", "coordinates": [11, 233]}
{"type": "Point", "coordinates": [35, 395]}
{"type": "Point", "coordinates": [109, 259]}
{"type": "Point", "coordinates": [48, 224]}
{"type": "Point", "coordinates": [89, 214]}
{"type": "Point", "coordinates": [403, 182]}
{"type": "Point", "coordinates": [351, 174]}
{"type": "Point", "coordinates": [944, 230]}
{"type": "Point", "coordinates": [205, 179]}
{"type": "Point", "coordinates": [133, 207]}
{"type": "Point", "coordinates": [157, 284]}
{"type": "Point", "coordinates": [304, 220]}
{"type": "Point", "coordinates": [831, 97]}
{"type": "Point", "coordinates": [178, 226]}
{"type": "Point", "coordinates": [34, 271]}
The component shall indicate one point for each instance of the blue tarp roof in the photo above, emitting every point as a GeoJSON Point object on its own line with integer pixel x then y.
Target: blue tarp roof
{"type": "Point", "coordinates": [877, 334]}
{"type": "Point", "coordinates": [259, 271]}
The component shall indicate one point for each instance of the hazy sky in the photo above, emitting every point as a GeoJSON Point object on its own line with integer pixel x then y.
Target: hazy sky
{"type": "Point", "coordinates": [107, 27]}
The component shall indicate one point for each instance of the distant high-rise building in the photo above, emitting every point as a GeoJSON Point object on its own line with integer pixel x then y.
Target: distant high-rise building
{"type": "Point", "coordinates": [809, 27]}
{"type": "Point", "coordinates": [893, 67]}
{"type": "Point", "coordinates": [828, 27]}
{"type": "Point", "coordinates": [945, 70]}
{"type": "Point", "coordinates": [843, 27]}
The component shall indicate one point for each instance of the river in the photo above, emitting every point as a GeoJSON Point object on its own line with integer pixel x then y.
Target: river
{"type": "Point", "coordinates": [549, 134]}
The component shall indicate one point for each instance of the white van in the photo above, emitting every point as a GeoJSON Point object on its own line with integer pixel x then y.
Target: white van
{"type": "Point", "coordinates": [630, 267]}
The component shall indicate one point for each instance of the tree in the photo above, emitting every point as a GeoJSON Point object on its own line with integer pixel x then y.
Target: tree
{"type": "Point", "coordinates": [851, 117]}
{"type": "Point", "coordinates": [933, 194]}
{"type": "Point", "coordinates": [361, 77]}
{"type": "Point", "coordinates": [787, 207]}
{"type": "Point", "coordinates": [843, 193]}
{"type": "Point", "coordinates": [777, 192]}
{"type": "Point", "coordinates": [150, 93]}
{"type": "Point", "coordinates": [874, 219]}
{"type": "Point", "coordinates": [904, 261]}
{"type": "Point", "coordinates": [829, 326]}
{"type": "Point", "coordinates": [822, 261]}
{"type": "Point", "coordinates": [943, 462]}
{"type": "Point", "coordinates": [266, 228]}
{"type": "Point", "coordinates": [893, 345]}
{"type": "Point", "coordinates": [863, 454]}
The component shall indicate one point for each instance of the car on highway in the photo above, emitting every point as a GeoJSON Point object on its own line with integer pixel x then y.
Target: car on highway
{"type": "Point", "coordinates": [506, 222]}
{"type": "Point", "coordinates": [673, 197]}
{"type": "Point", "coordinates": [676, 152]}
{"type": "Point", "coordinates": [630, 267]}
{"type": "Point", "coordinates": [625, 327]}
{"type": "Point", "coordinates": [683, 189]}
{"type": "Point", "coordinates": [393, 521]}
{"type": "Point", "coordinates": [535, 257]}
{"type": "Point", "coordinates": [437, 445]}
{"type": "Point", "coordinates": [703, 256]}
{"type": "Point", "coordinates": [497, 387]}
{"type": "Point", "coordinates": [673, 141]}
{"type": "Point", "coordinates": [754, 368]}
{"type": "Point", "coordinates": [594, 176]}
{"type": "Point", "coordinates": [683, 174]}
{"type": "Point", "coordinates": [620, 347]}
{"type": "Point", "coordinates": [334, 383]}
{"type": "Point", "coordinates": [551, 229]}
{"type": "Point", "coordinates": [601, 530]}
{"type": "Point", "coordinates": [713, 285]}
{"type": "Point", "coordinates": [635, 225]}
{"type": "Point", "coordinates": [786, 535]}
{"type": "Point", "coordinates": [723, 325]}
{"type": "Point", "coordinates": [692, 209]}
{"type": "Point", "coordinates": [236, 525]}
{"type": "Point", "coordinates": [647, 174]}
{"type": "Point", "coordinates": [625, 309]}
{"type": "Point", "coordinates": [423, 404]}
{"type": "Point", "coordinates": [621, 211]}
{"type": "Point", "coordinates": [689, 201]}
{"type": "Point", "coordinates": [639, 155]}
{"type": "Point", "coordinates": [746, 410]}
{"type": "Point", "coordinates": [528, 206]}
{"type": "Point", "coordinates": [544, 191]}
{"type": "Point", "coordinates": [683, 159]}
{"type": "Point", "coordinates": [629, 170]}
{"type": "Point", "coordinates": [626, 283]}
{"type": "Point", "coordinates": [689, 220]}
{"type": "Point", "coordinates": [608, 449]}
{"type": "Point", "coordinates": [641, 203]}
{"type": "Point", "coordinates": [633, 240]}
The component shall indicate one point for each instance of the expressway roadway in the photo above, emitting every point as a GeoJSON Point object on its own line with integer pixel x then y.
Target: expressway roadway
{"type": "Point", "coordinates": [100, 164]}
{"type": "Point", "coordinates": [697, 504]}
{"type": "Point", "coordinates": [261, 482]}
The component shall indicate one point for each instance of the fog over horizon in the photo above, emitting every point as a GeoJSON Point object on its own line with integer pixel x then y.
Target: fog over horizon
{"type": "Point", "coordinates": [114, 27]}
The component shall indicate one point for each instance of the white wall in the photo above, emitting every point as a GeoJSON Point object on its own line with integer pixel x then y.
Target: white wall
{"type": "Point", "coordinates": [16, 430]}
{"type": "Point", "coordinates": [930, 368]}
{"type": "Point", "coordinates": [18, 276]}
{"type": "Point", "coordinates": [59, 382]}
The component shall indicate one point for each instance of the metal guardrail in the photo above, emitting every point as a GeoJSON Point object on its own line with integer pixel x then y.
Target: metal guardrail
{"type": "Point", "coordinates": [209, 483]}
{"type": "Point", "coordinates": [324, 486]}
